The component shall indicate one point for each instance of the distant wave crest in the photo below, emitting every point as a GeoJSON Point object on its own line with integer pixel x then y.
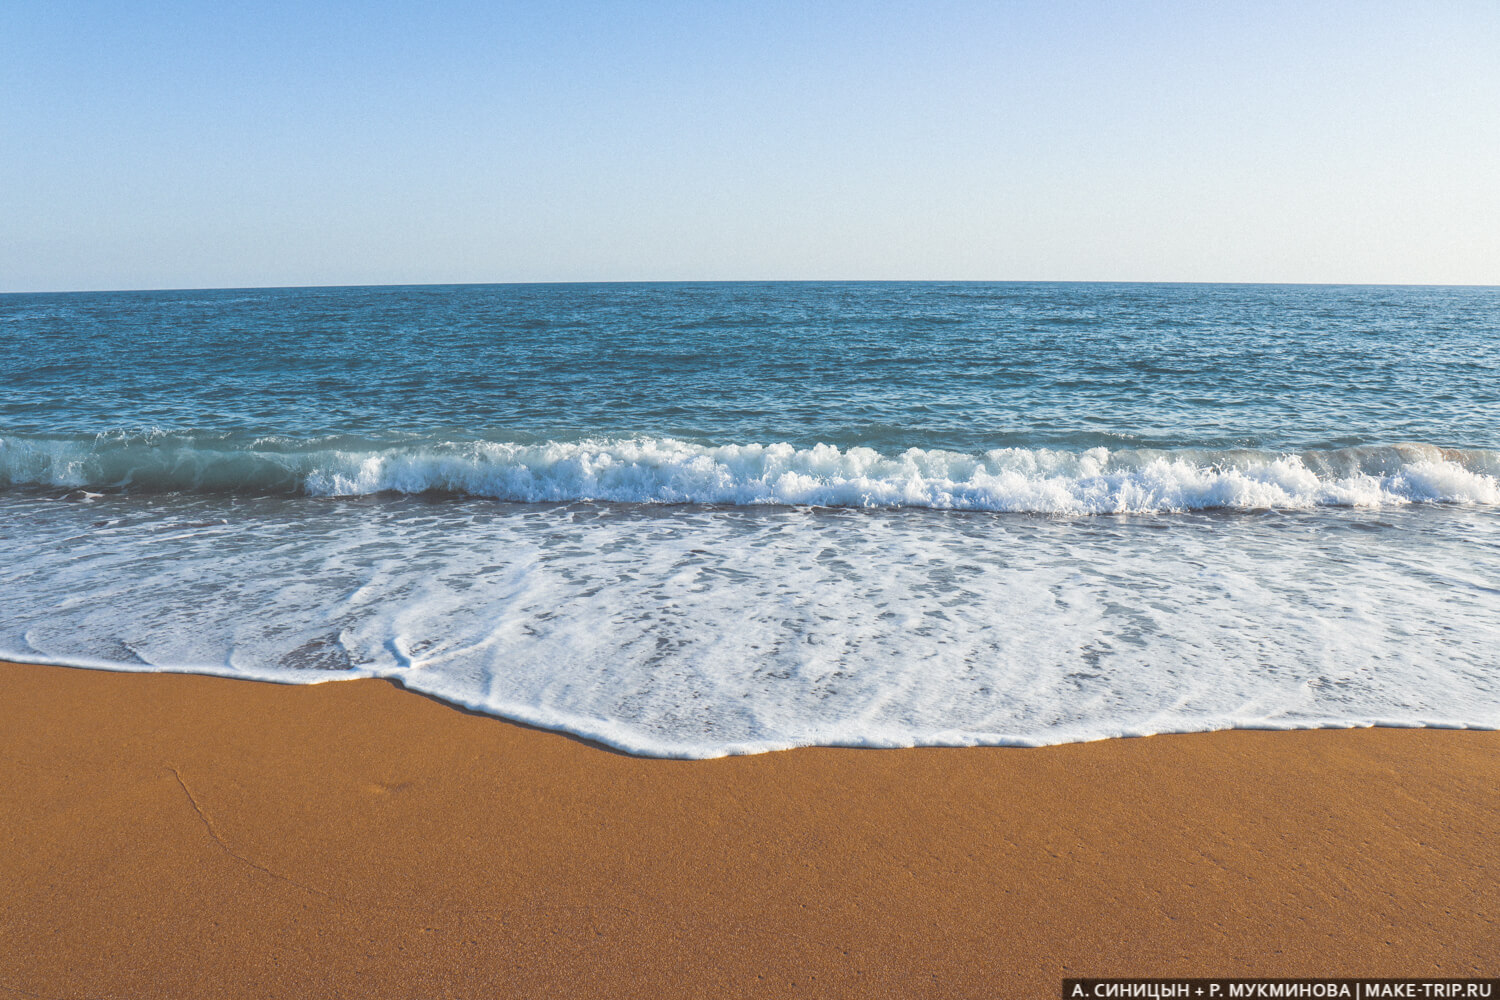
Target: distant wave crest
{"type": "Point", "coordinates": [670, 471]}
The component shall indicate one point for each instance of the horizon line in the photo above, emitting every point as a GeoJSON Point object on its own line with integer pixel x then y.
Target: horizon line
{"type": "Point", "coordinates": [749, 281]}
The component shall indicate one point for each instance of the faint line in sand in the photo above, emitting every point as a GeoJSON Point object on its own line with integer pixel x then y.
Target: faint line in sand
{"type": "Point", "coordinates": [223, 846]}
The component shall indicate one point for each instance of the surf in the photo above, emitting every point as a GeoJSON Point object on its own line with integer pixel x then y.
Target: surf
{"type": "Point", "coordinates": [664, 470]}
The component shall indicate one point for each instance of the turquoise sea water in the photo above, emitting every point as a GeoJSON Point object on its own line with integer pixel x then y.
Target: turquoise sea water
{"type": "Point", "coordinates": [706, 518]}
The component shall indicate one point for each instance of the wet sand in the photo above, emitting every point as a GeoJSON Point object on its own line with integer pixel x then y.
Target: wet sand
{"type": "Point", "coordinates": [178, 836]}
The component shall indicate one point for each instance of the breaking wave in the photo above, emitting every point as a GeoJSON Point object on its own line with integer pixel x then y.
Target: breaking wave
{"type": "Point", "coordinates": [652, 470]}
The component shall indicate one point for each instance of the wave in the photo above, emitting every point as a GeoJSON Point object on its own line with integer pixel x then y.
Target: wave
{"type": "Point", "coordinates": [653, 470]}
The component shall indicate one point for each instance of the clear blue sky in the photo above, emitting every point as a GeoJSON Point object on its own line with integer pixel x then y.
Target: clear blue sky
{"type": "Point", "coordinates": [226, 144]}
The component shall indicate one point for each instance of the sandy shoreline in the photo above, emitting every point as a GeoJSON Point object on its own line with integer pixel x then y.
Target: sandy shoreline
{"type": "Point", "coordinates": [171, 835]}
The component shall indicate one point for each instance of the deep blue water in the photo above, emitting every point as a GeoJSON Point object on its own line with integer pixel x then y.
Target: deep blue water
{"type": "Point", "coordinates": [968, 367]}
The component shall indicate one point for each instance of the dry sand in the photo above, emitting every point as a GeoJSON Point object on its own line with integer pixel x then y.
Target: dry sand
{"type": "Point", "coordinates": [176, 836]}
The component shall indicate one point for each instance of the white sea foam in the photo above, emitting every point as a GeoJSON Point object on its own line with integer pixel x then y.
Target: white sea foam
{"type": "Point", "coordinates": [668, 471]}
{"type": "Point", "coordinates": [696, 632]}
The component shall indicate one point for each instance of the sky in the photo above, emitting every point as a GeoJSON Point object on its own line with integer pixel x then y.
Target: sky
{"type": "Point", "coordinates": [180, 145]}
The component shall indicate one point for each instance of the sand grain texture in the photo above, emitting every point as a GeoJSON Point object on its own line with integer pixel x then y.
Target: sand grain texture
{"type": "Point", "coordinates": [179, 836]}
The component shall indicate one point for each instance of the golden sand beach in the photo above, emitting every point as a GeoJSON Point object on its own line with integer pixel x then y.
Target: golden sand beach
{"type": "Point", "coordinates": [181, 836]}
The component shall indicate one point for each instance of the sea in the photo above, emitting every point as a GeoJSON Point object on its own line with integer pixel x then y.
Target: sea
{"type": "Point", "coordinates": [690, 520]}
